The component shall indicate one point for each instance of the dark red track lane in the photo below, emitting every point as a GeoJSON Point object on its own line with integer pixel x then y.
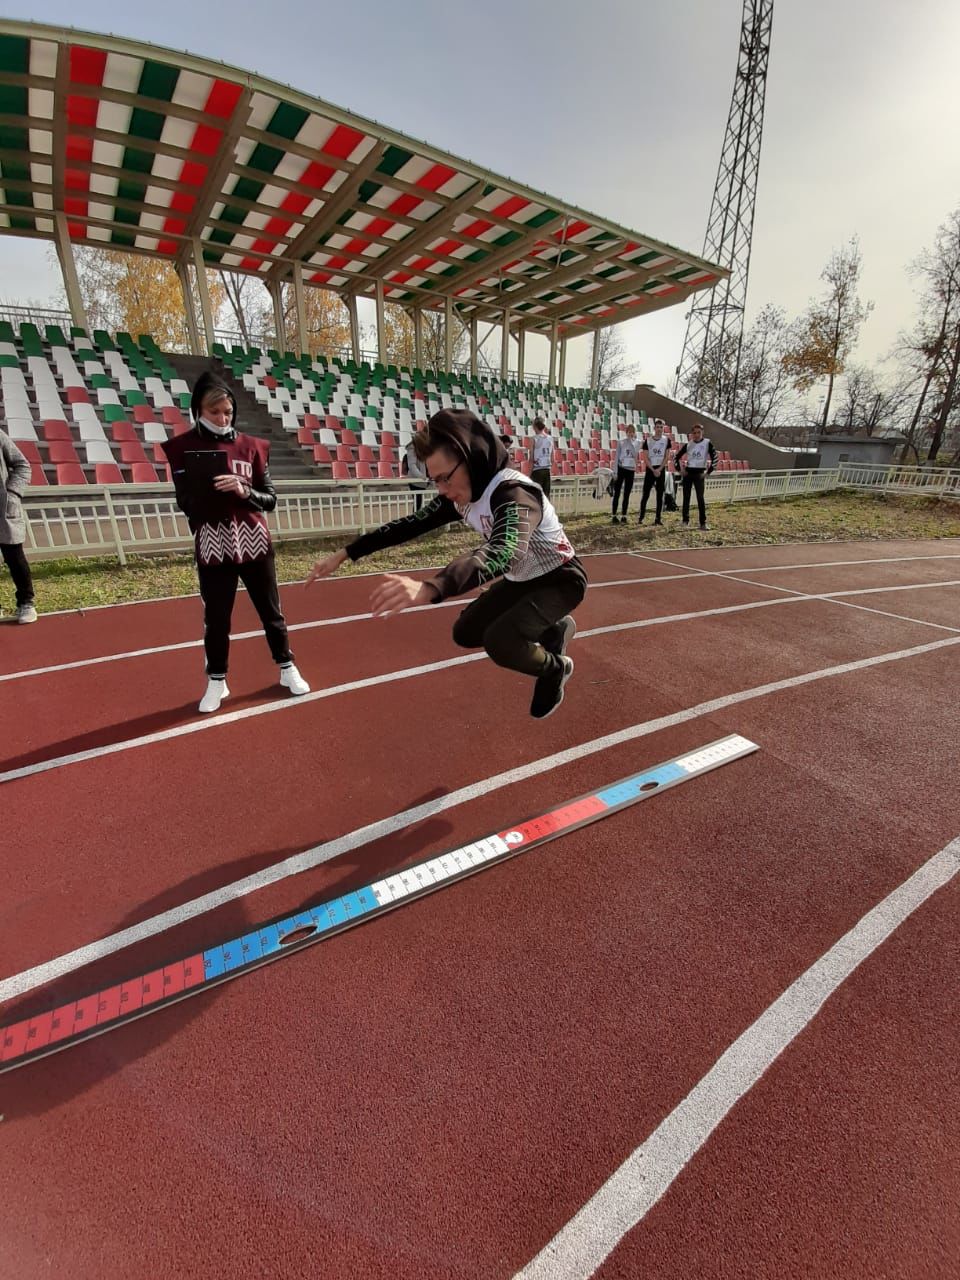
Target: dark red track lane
{"type": "Point", "coordinates": [434, 1094]}
{"type": "Point", "coordinates": [719, 559]}
{"type": "Point", "coordinates": [56, 714]}
{"type": "Point", "coordinates": [318, 762]}
{"type": "Point", "coordinates": [843, 1162]}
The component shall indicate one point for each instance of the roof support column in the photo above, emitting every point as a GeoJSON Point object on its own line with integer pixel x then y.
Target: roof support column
{"type": "Point", "coordinates": [521, 352]}
{"type": "Point", "coordinates": [354, 327]}
{"type": "Point", "coordinates": [552, 379]}
{"type": "Point", "coordinates": [562, 379]}
{"type": "Point", "coordinates": [279, 325]}
{"type": "Point", "coordinates": [206, 310]}
{"type": "Point", "coordinates": [183, 274]}
{"type": "Point", "coordinates": [302, 336]}
{"type": "Point", "coordinates": [381, 326]}
{"type": "Point", "coordinates": [505, 346]}
{"type": "Point", "coordinates": [68, 267]}
{"type": "Point", "coordinates": [595, 367]}
{"type": "Point", "coordinates": [474, 346]}
{"type": "Point", "coordinates": [448, 336]}
{"type": "Point", "coordinates": [418, 337]}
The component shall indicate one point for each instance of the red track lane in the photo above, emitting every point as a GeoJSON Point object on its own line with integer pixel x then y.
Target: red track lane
{"type": "Point", "coordinates": [66, 711]}
{"type": "Point", "coordinates": [718, 559]}
{"type": "Point", "coordinates": [856, 577]}
{"type": "Point", "coordinates": [430, 1095]}
{"type": "Point", "coordinates": [433, 1094]}
{"type": "Point", "coordinates": [319, 760]}
{"type": "Point", "coordinates": [843, 1162]}
{"type": "Point", "coordinates": [941, 606]}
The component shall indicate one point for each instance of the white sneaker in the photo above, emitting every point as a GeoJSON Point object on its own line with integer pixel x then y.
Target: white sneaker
{"type": "Point", "coordinates": [291, 679]}
{"type": "Point", "coordinates": [216, 692]}
{"type": "Point", "coordinates": [26, 613]}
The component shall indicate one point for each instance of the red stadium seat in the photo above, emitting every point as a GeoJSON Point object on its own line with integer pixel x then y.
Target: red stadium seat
{"type": "Point", "coordinates": [387, 441]}
{"type": "Point", "coordinates": [29, 450]}
{"type": "Point", "coordinates": [341, 471]}
{"type": "Point", "coordinates": [366, 454]}
{"type": "Point", "coordinates": [37, 474]}
{"type": "Point", "coordinates": [333, 423]}
{"type": "Point", "coordinates": [144, 413]}
{"type": "Point", "coordinates": [77, 395]}
{"type": "Point", "coordinates": [143, 473]}
{"type": "Point", "coordinates": [54, 429]}
{"type": "Point", "coordinates": [181, 428]}
{"type": "Point", "coordinates": [386, 470]}
{"type": "Point", "coordinates": [108, 473]}
{"type": "Point", "coordinates": [159, 457]}
{"type": "Point", "coordinates": [344, 453]}
{"type": "Point", "coordinates": [70, 473]}
{"type": "Point", "coordinates": [62, 452]}
{"type": "Point", "coordinates": [305, 436]}
{"type": "Point", "coordinates": [311, 421]}
{"type": "Point", "coordinates": [131, 451]}
{"type": "Point", "coordinates": [171, 415]}
{"type": "Point", "coordinates": [123, 432]}
{"type": "Point", "coordinates": [347, 437]}
{"type": "Point", "coordinates": [321, 455]}
{"type": "Point", "coordinates": [365, 471]}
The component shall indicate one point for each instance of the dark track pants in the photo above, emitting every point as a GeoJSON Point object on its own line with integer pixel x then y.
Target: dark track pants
{"type": "Point", "coordinates": [541, 476]}
{"type": "Point", "coordinates": [511, 619]}
{"type": "Point", "coordinates": [693, 480]}
{"type": "Point", "coordinates": [218, 587]}
{"type": "Point", "coordinates": [624, 480]}
{"type": "Point", "coordinates": [649, 482]}
{"type": "Point", "coordinates": [16, 562]}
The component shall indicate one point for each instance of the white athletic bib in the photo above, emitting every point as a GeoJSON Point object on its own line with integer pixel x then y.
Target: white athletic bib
{"type": "Point", "coordinates": [657, 450]}
{"type": "Point", "coordinates": [542, 452]}
{"type": "Point", "coordinates": [627, 453]}
{"type": "Point", "coordinates": [698, 455]}
{"type": "Point", "coordinates": [548, 544]}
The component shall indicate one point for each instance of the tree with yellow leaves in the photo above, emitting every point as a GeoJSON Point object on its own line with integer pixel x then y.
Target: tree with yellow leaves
{"type": "Point", "coordinates": [137, 294]}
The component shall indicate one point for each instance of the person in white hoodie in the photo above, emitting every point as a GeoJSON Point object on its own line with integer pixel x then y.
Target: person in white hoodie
{"type": "Point", "coordinates": [625, 468]}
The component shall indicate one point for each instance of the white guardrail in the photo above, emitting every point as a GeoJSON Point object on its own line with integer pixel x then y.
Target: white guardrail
{"type": "Point", "coordinates": [119, 520]}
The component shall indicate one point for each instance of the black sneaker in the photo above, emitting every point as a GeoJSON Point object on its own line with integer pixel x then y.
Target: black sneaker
{"type": "Point", "coordinates": [658, 522]}
{"type": "Point", "coordinates": [704, 527]}
{"type": "Point", "coordinates": [614, 520]}
{"type": "Point", "coordinates": [556, 638]}
{"type": "Point", "coordinates": [548, 691]}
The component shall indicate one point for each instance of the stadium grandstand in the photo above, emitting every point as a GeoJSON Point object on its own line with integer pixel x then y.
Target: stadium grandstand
{"type": "Point", "coordinates": [114, 144]}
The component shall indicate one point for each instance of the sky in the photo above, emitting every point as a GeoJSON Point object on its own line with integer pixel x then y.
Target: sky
{"type": "Point", "coordinates": [619, 107]}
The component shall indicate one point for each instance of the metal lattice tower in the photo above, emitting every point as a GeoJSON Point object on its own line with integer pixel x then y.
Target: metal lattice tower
{"type": "Point", "coordinates": [709, 364]}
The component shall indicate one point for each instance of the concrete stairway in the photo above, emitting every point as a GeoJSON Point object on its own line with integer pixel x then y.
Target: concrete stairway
{"type": "Point", "coordinates": [287, 460]}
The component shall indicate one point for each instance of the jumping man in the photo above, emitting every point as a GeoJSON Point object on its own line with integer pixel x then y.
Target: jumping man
{"type": "Point", "coordinates": [523, 620]}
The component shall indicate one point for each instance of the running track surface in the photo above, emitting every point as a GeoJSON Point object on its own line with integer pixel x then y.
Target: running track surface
{"type": "Point", "coordinates": [449, 1091]}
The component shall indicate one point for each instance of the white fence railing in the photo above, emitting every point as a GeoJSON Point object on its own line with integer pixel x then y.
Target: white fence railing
{"type": "Point", "coordinates": [119, 520]}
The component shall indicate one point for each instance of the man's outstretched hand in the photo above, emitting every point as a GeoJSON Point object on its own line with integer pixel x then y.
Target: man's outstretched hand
{"type": "Point", "coordinates": [396, 593]}
{"type": "Point", "coordinates": [324, 568]}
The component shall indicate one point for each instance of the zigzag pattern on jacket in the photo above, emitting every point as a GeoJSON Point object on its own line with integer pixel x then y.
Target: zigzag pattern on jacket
{"type": "Point", "coordinates": [236, 540]}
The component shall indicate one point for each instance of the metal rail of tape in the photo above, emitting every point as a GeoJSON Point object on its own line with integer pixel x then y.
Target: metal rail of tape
{"type": "Point", "coordinates": [78, 1020]}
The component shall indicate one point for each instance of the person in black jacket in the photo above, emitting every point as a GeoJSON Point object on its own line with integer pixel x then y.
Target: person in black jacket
{"type": "Point", "coordinates": [226, 503]}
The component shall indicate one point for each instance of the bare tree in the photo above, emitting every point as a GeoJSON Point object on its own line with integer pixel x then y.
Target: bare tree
{"type": "Point", "coordinates": [869, 405]}
{"type": "Point", "coordinates": [764, 390]}
{"type": "Point", "coordinates": [932, 347]}
{"type": "Point", "coordinates": [831, 326]}
{"type": "Point", "coordinates": [613, 367]}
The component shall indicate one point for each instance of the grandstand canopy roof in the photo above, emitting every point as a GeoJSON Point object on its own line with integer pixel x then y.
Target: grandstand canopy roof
{"type": "Point", "coordinates": [146, 150]}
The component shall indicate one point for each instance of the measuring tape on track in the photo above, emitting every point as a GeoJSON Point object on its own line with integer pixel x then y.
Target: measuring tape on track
{"type": "Point", "coordinates": [78, 1020]}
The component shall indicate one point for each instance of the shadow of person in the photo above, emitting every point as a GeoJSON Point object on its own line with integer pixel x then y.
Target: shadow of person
{"type": "Point", "coordinates": [51, 1082]}
{"type": "Point", "coordinates": [135, 727]}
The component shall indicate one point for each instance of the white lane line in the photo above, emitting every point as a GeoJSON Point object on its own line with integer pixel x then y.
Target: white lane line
{"type": "Point", "coordinates": [581, 1246]}
{"type": "Point", "coordinates": [460, 602]}
{"type": "Point", "coordinates": [296, 582]}
{"type": "Point", "coordinates": [20, 983]}
{"type": "Point", "coordinates": [389, 677]}
{"type": "Point", "coordinates": [835, 597]}
{"type": "Point", "coordinates": [363, 617]}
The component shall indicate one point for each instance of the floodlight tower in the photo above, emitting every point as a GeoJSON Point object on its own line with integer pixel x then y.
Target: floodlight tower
{"type": "Point", "coordinates": [709, 365]}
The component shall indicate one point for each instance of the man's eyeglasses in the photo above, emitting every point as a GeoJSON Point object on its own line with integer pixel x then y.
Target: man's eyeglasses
{"type": "Point", "coordinates": [445, 479]}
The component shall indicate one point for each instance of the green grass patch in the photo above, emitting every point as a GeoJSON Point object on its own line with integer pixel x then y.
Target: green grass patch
{"type": "Point", "coordinates": [833, 517]}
